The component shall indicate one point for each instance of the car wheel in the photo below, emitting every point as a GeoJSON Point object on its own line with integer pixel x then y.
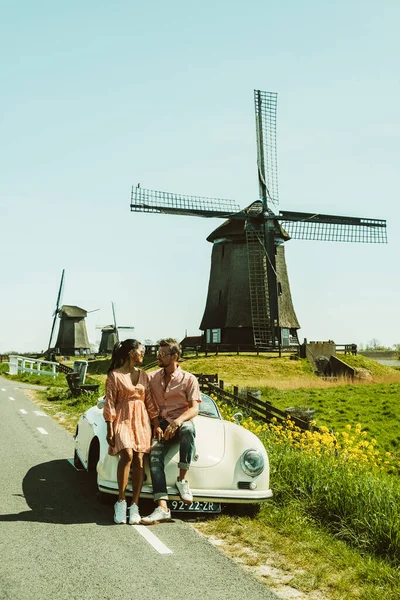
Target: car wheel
{"type": "Point", "coordinates": [77, 462]}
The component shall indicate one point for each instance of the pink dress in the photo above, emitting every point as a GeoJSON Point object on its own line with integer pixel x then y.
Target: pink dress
{"type": "Point", "coordinates": [130, 407]}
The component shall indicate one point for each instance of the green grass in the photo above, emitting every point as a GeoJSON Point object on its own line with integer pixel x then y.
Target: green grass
{"type": "Point", "coordinates": [375, 406]}
{"type": "Point", "coordinates": [303, 555]}
{"type": "Point", "coordinates": [249, 370]}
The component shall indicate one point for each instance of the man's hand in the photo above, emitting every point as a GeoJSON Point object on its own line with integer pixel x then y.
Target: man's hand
{"type": "Point", "coordinates": [172, 429]}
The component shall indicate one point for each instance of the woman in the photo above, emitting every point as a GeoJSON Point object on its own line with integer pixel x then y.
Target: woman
{"type": "Point", "coordinates": [127, 411]}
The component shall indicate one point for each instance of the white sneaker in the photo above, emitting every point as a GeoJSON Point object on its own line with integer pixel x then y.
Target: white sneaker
{"type": "Point", "coordinates": [134, 516]}
{"type": "Point", "coordinates": [184, 491]}
{"type": "Point", "coordinates": [157, 516]}
{"type": "Point", "coordinates": [120, 512]}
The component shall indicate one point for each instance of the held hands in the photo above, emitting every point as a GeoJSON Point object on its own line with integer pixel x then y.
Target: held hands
{"type": "Point", "coordinates": [172, 429]}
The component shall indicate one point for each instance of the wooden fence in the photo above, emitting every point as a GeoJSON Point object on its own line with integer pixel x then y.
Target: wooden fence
{"type": "Point", "coordinates": [253, 406]}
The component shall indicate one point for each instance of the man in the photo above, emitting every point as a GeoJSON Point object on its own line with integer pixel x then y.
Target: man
{"type": "Point", "coordinates": [177, 395]}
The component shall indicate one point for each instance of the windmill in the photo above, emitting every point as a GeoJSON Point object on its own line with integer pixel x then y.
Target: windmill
{"type": "Point", "coordinates": [72, 336]}
{"type": "Point", "coordinates": [110, 335]}
{"type": "Point", "coordinates": [57, 310]}
{"type": "Point", "coordinates": [249, 298]}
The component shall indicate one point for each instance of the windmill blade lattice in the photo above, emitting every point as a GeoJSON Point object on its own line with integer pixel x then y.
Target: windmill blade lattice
{"type": "Point", "coordinates": [265, 109]}
{"type": "Point", "coordinates": [152, 201]}
{"type": "Point", "coordinates": [333, 228]}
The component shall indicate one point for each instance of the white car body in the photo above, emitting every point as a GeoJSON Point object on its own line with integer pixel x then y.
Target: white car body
{"type": "Point", "coordinates": [216, 473]}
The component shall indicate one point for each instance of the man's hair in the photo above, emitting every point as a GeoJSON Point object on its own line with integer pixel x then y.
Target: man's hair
{"type": "Point", "coordinates": [173, 345]}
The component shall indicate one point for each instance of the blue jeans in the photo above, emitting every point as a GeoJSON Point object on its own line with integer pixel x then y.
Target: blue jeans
{"type": "Point", "coordinates": [186, 436]}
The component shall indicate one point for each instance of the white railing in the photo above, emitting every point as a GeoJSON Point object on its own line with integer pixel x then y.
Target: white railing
{"type": "Point", "coordinates": [22, 364]}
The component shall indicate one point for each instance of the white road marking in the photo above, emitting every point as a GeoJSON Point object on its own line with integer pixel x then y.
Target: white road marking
{"type": "Point", "coordinates": [43, 431]}
{"type": "Point", "coordinates": [152, 539]}
{"type": "Point", "coordinates": [40, 413]}
{"type": "Point", "coordinates": [23, 411]}
{"type": "Point", "coordinates": [11, 398]}
{"type": "Point", "coordinates": [3, 389]}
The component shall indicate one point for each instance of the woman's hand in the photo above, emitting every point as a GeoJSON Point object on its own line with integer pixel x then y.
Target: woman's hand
{"type": "Point", "coordinates": [158, 433]}
{"type": "Point", "coordinates": [110, 439]}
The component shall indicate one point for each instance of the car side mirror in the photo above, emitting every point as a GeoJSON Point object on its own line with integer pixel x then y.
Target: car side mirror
{"type": "Point", "coordinates": [238, 417]}
{"type": "Point", "coordinates": [101, 402]}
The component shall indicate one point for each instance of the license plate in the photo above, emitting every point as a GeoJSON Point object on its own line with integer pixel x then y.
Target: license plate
{"type": "Point", "coordinates": [204, 507]}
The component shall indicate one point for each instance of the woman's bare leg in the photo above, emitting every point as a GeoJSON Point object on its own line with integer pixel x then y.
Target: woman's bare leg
{"type": "Point", "coordinates": [137, 476]}
{"type": "Point", "coordinates": [124, 465]}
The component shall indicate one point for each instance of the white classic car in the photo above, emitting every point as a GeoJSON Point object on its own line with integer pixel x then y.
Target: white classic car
{"type": "Point", "coordinates": [230, 465]}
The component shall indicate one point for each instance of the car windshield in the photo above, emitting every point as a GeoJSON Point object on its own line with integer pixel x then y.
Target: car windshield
{"type": "Point", "coordinates": [207, 407]}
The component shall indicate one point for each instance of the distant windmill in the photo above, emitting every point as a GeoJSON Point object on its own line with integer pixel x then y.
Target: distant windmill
{"type": "Point", "coordinates": [110, 335]}
{"type": "Point", "coordinates": [57, 309]}
{"type": "Point", "coordinates": [249, 299]}
{"type": "Point", "coordinates": [72, 335]}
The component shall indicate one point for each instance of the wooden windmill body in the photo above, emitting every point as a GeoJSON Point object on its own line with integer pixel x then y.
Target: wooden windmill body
{"type": "Point", "coordinates": [108, 339]}
{"type": "Point", "coordinates": [110, 334]}
{"type": "Point", "coordinates": [249, 298]}
{"type": "Point", "coordinates": [227, 316]}
{"type": "Point", "coordinates": [72, 336]}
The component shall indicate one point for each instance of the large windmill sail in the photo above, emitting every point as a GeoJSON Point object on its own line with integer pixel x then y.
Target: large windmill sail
{"type": "Point", "coordinates": [259, 233]}
{"type": "Point", "coordinates": [57, 309]}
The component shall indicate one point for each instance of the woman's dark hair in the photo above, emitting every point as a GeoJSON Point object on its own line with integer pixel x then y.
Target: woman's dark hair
{"type": "Point", "coordinates": [120, 353]}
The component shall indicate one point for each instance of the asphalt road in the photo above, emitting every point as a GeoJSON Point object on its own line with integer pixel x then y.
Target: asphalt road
{"type": "Point", "coordinates": [58, 542]}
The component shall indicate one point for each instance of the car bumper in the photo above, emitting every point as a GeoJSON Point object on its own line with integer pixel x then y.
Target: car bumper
{"type": "Point", "coordinates": [202, 495]}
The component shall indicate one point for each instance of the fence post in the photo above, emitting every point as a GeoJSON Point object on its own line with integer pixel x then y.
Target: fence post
{"type": "Point", "coordinates": [221, 389]}
{"type": "Point", "coordinates": [248, 396]}
{"type": "Point", "coordinates": [268, 411]}
{"type": "Point", "coordinates": [235, 390]}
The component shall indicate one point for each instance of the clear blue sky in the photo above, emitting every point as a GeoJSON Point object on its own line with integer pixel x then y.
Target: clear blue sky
{"type": "Point", "coordinates": [97, 96]}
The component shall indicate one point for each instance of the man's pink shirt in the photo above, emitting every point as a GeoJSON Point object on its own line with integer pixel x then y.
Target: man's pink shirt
{"type": "Point", "coordinates": [182, 388]}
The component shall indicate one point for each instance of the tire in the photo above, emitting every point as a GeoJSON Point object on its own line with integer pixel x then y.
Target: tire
{"type": "Point", "coordinates": [77, 462]}
{"type": "Point", "coordinates": [93, 459]}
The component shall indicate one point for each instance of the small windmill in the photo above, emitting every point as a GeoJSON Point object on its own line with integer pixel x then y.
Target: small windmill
{"type": "Point", "coordinates": [110, 335]}
{"type": "Point", "coordinates": [249, 296]}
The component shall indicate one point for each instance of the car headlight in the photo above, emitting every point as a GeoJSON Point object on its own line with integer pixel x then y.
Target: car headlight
{"type": "Point", "coordinates": [252, 462]}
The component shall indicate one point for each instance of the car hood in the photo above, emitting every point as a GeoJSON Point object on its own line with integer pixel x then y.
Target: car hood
{"type": "Point", "coordinates": [210, 442]}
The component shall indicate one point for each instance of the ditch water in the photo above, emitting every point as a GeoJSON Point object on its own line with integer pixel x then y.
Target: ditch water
{"type": "Point", "coordinates": [388, 362]}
